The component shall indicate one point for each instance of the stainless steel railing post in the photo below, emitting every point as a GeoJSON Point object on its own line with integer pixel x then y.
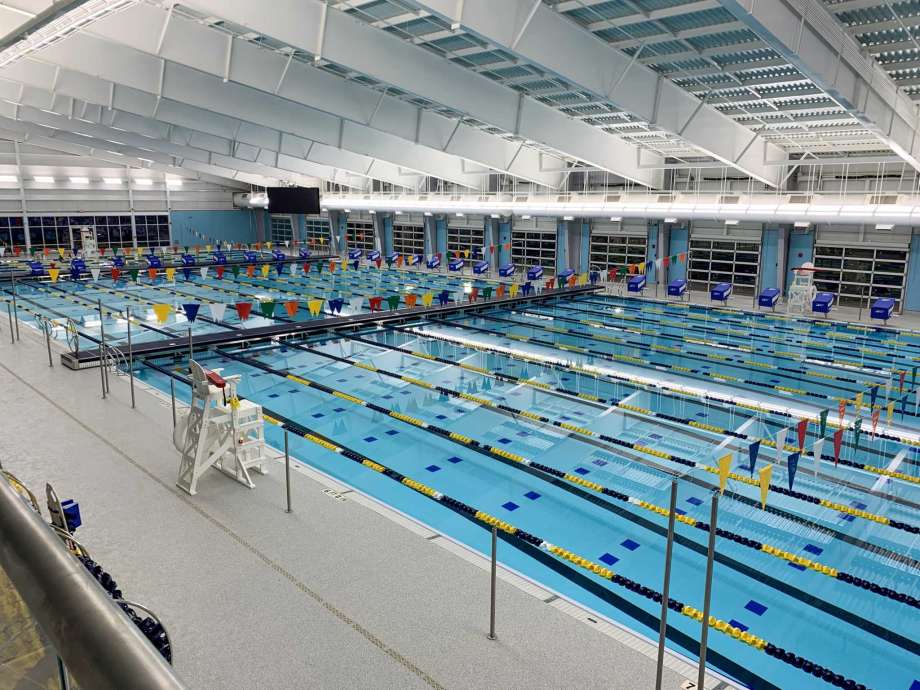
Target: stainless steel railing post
{"type": "Point", "coordinates": [707, 596]}
{"type": "Point", "coordinates": [665, 589]}
{"type": "Point", "coordinates": [494, 574]}
{"type": "Point", "coordinates": [130, 356]}
{"type": "Point", "coordinates": [287, 472]}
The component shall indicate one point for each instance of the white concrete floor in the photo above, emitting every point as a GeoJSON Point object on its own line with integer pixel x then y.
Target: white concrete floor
{"type": "Point", "coordinates": [341, 593]}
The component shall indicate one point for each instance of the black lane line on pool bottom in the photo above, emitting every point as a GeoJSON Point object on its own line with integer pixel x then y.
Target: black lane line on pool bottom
{"type": "Point", "coordinates": [883, 633]}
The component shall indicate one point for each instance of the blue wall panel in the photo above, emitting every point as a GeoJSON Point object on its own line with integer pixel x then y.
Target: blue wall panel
{"type": "Point", "coordinates": [227, 226]}
{"type": "Point", "coordinates": [679, 244]}
{"type": "Point", "coordinates": [504, 237]}
{"type": "Point", "coordinates": [801, 249]}
{"type": "Point", "coordinates": [769, 258]}
{"type": "Point", "coordinates": [912, 286]}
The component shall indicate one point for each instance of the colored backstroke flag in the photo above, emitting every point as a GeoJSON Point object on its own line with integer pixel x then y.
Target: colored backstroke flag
{"type": "Point", "coordinates": [913, 375]}
{"type": "Point", "coordinates": [152, 272]}
{"type": "Point", "coordinates": [427, 299]}
{"type": "Point", "coordinates": [291, 308]}
{"type": "Point", "coordinates": [250, 271]}
{"type": "Point", "coordinates": [873, 394]}
{"type": "Point", "coordinates": [243, 310]}
{"type": "Point", "coordinates": [838, 442]}
{"type": "Point", "coordinates": [332, 266]}
{"type": "Point", "coordinates": [725, 466]}
{"type": "Point", "coordinates": [410, 300]}
{"type": "Point", "coordinates": [217, 310]}
{"type": "Point", "coordinates": [642, 268]}
{"type": "Point", "coordinates": [876, 413]}
{"type": "Point", "coordinates": [171, 274]}
{"type": "Point", "coordinates": [753, 451]}
{"type": "Point", "coordinates": [889, 412]}
{"type": "Point", "coordinates": [377, 262]}
{"type": "Point", "coordinates": [220, 272]}
{"type": "Point", "coordinates": [267, 308]}
{"type": "Point", "coordinates": [187, 273]}
{"type": "Point", "coordinates": [666, 261]}
{"type": "Point", "coordinates": [500, 291]}
{"type": "Point", "coordinates": [2, 251]}
{"type": "Point", "coordinates": [765, 475]}
{"type": "Point", "coordinates": [822, 423]}
{"type": "Point", "coordinates": [857, 401]}
{"type": "Point", "coordinates": [134, 272]}
{"type": "Point", "coordinates": [780, 443]}
{"type": "Point", "coordinates": [204, 271]}
{"type": "Point", "coordinates": [857, 429]}
{"type": "Point", "coordinates": [94, 272]}
{"type": "Point", "coordinates": [682, 257]}
{"type": "Point", "coordinates": [513, 290]}
{"type": "Point", "coordinates": [235, 270]}
{"type": "Point", "coordinates": [265, 270]}
{"type": "Point", "coordinates": [792, 466]}
{"type": "Point", "coordinates": [817, 449]}
{"type": "Point", "coordinates": [54, 273]}
{"type": "Point", "coordinates": [306, 267]}
{"type": "Point", "coordinates": [293, 270]}
{"type": "Point", "coordinates": [162, 311]}
{"type": "Point", "coordinates": [803, 431]}
{"type": "Point", "coordinates": [393, 301]}
{"type": "Point", "coordinates": [841, 410]}
{"type": "Point", "coordinates": [901, 376]}
{"type": "Point", "coordinates": [314, 305]}
{"type": "Point", "coordinates": [191, 311]}
{"type": "Point", "coordinates": [355, 304]}
{"type": "Point", "coordinates": [116, 272]}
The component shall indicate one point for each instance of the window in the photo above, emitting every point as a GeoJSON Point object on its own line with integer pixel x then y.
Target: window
{"type": "Point", "coordinates": [360, 234]}
{"type": "Point", "coordinates": [282, 229]}
{"type": "Point", "coordinates": [859, 275]}
{"type": "Point", "coordinates": [316, 229]}
{"type": "Point", "coordinates": [11, 231]}
{"type": "Point", "coordinates": [534, 248]}
{"type": "Point", "coordinates": [152, 231]}
{"type": "Point", "coordinates": [49, 231]}
{"type": "Point", "coordinates": [463, 239]}
{"type": "Point", "coordinates": [724, 261]}
{"type": "Point", "coordinates": [408, 239]}
{"type": "Point", "coordinates": [617, 251]}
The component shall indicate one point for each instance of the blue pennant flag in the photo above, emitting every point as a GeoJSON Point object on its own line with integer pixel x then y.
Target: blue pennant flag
{"type": "Point", "coordinates": [187, 272]}
{"type": "Point", "coordinates": [753, 450]}
{"type": "Point", "coordinates": [873, 394]}
{"type": "Point", "coordinates": [191, 311]}
{"type": "Point", "coordinates": [792, 466]}
{"type": "Point", "coordinates": [280, 267]}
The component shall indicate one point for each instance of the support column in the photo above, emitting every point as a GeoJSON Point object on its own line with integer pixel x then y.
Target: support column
{"type": "Point", "coordinates": [489, 236]}
{"type": "Point", "coordinates": [562, 245]}
{"type": "Point", "coordinates": [429, 233]}
{"type": "Point", "coordinates": [440, 227]}
{"type": "Point", "coordinates": [769, 259]}
{"type": "Point", "coordinates": [338, 232]}
{"type": "Point", "coordinates": [678, 243]}
{"type": "Point", "coordinates": [504, 238]}
{"type": "Point", "coordinates": [651, 250]}
{"type": "Point", "coordinates": [911, 301]}
{"type": "Point", "coordinates": [801, 248]}
{"type": "Point", "coordinates": [584, 249]}
{"type": "Point", "coordinates": [387, 233]}
{"type": "Point", "coordinates": [300, 228]}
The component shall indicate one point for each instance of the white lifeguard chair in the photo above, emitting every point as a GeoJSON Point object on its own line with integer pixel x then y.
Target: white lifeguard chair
{"type": "Point", "coordinates": [219, 431]}
{"type": "Point", "coordinates": [90, 248]}
{"type": "Point", "coordinates": [802, 291]}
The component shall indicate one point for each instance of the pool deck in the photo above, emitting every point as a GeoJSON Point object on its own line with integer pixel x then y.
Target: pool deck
{"type": "Point", "coordinates": [344, 592]}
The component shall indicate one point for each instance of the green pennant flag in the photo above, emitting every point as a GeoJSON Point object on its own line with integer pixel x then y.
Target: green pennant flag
{"type": "Point", "coordinates": [913, 376]}
{"type": "Point", "coordinates": [34, 250]}
{"type": "Point", "coordinates": [857, 428]}
{"type": "Point", "coordinates": [393, 301]}
{"type": "Point", "coordinates": [822, 427]}
{"type": "Point", "coordinates": [487, 292]}
{"type": "Point", "coordinates": [236, 271]}
{"type": "Point", "coordinates": [185, 248]}
{"type": "Point", "coordinates": [268, 308]}
{"type": "Point", "coordinates": [133, 273]}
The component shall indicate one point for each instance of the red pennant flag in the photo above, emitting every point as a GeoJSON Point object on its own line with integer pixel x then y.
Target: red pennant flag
{"type": "Point", "coordinates": [549, 284]}
{"type": "Point", "coordinates": [803, 430]}
{"type": "Point", "coordinates": [47, 251]}
{"type": "Point", "coordinates": [332, 266]}
{"type": "Point", "coordinates": [258, 245]}
{"type": "Point", "coordinates": [666, 261]}
{"type": "Point", "coordinates": [291, 307]}
{"type": "Point", "coordinates": [250, 270]}
{"type": "Point", "coordinates": [841, 409]}
{"type": "Point", "coordinates": [875, 415]}
{"type": "Point", "coordinates": [243, 309]}
{"type": "Point", "coordinates": [378, 262]}
{"type": "Point", "coordinates": [612, 274]}
{"type": "Point", "coordinates": [17, 251]}
{"type": "Point", "coordinates": [152, 272]}
{"type": "Point", "coordinates": [838, 441]}
{"type": "Point", "coordinates": [220, 272]}
{"type": "Point", "coordinates": [306, 267]}
{"type": "Point", "coordinates": [101, 251]}
{"type": "Point", "coordinates": [474, 294]}
{"type": "Point", "coordinates": [901, 376]}
{"type": "Point", "coordinates": [491, 249]}
{"type": "Point", "coordinates": [115, 273]}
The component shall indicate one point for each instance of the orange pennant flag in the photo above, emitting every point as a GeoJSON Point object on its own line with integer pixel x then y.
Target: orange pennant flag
{"type": "Point", "coordinates": [250, 270]}
{"type": "Point", "coordinates": [410, 300]}
{"type": "Point", "coordinates": [291, 308]}
{"type": "Point", "coordinates": [152, 272]}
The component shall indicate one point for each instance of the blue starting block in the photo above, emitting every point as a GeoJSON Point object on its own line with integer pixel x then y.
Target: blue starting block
{"type": "Point", "coordinates": [506, 271]}
{"type": "Point", "coordinates": [36, 268]}
{"type": "Point", "coordinates": [188, 260]}
{"type": "Point", "coordinates": [153, 261]}
{"type": "Point", "coordinates": [594, 277]}
{"type": "Point", "coordinates": [481, 267]}
{"type": "Point", "coordinates": [534, 273]}
{"type": "Point", "coordinates": [392, 258]}
{"type": "Point", "coordinates": [455, 264]}
{"type": "Point", "coordinates": [822, 303]}
{"type": "Point", "coordinates": [304, 253]}
{"type": "Point", "coordinates": [219, 258]}
{"type": "Point", "coordinates": [721, 292]}
{"type": "Point", "coordinates": [434, 261]}
{"type": "Point", "coordinates": [118, 261]}
{"type": "Point", "coordinates": [636, 283]}
{"type": "Point", "coordinates": [279, 255]}
{"type": "Point", "coordinates": [71, 510]}
{"type": "Point", "coordinates": [77, 266]}
{"type": "Point", "coordinates": [563, 276]}
{"type": "Point", "coordinates": [355, 254]}
{"type": "Point", "coordinates": [251, 256]}
{"type": "Point", "coordinates": [373, 255]}
{"type": "Point", "coordinates": [768, 298]}
{"type": "Point", "coordinates": [677, 288]}
{"type": "Point", "coordinates": [414, 260]}
{"type": "Point", "coordinates": [882, 309]}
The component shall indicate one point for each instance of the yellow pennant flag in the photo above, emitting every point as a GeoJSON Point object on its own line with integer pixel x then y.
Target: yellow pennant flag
{"type": "Point", "coordinates": [513, 290]}
{"type": "Point", "coordinates": [61, 251]}
{"type": "Point", "coordinates": [765, 475]}
{"type": "Point", "coordinates": [137, 250]}
{"type": "Point", "coordinates": [427, 298]}
{"type": "Point", "coordinates": [54, 273]}
{"type": "Point", "coordinates": [268, 245]}
{"type": "Point", "coordinates": [857, 401]}
{"type": "Point", "coordinates": [162, 311]}
{"type": "Point", "coordinates": [171, 274]}
{"type": "Point", "coordinates": [314, 305]}
{"type": "Point", "coordinates": [466, 253]}
{"type": "Point", "coordinates": [642, 268]}
{"type": "Point", "coordinates": [725, 466]}
{"type": "Point", "coordinates": [890, 411]}
{"type": "Point", "coordinates": [583, 279]}
{"type": "Point", "coordinates": [344, 266]}
{"type": "Point", "coordinates": [207, 247]}
{"type": "Point", "coordinates": [265, 269]}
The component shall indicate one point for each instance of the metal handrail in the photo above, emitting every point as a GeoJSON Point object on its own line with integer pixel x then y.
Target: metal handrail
{"type": "Point", "coordinates": [101, 647]}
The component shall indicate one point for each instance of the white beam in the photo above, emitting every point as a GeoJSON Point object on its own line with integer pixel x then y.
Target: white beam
{"type": "Point", "coordinates": [563, 48]}
{"type": "Point", "coordinates": [388, 59]}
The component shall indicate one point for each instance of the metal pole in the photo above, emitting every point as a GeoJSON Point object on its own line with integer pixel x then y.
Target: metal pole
{"type": "Point", "coordinates": [665, 589]}
{"type": "Point", "coordinates": [15, 308]}
{"type": "Point", "coordinates": [172, 395]}
{"type": "Point", "coordinates": [707, 596]}
{"type": "Point", "coordinates": [191, 348]}
{"type": "Point", "coordinates": [494, 573]}
{"type": "Point", "coordinates": [101, 351]}
{"type": "Point", "coordinates": [9, 311]}
{"type": "Point", "coordinates": [287, 472]}
{"type": "Point", "coordinates": [130, 356]}
{"type": "Point", "coordinates": [46, 327]}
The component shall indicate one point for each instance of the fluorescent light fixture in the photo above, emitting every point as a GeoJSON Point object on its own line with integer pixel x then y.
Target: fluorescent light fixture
{"type": "Point", "coordinates": [801, 224]}
{"type": "Point", "coordinates": [347, 210]}
{"type": "Point", "coordinates": [616, 219]}
{"type": "Point", "coordinates": [398, 213]}
{"type": "Point", "coordinates": [494, 215]}
{"type": "Point", "coordinates": [143, 181]}
{"type": "Point", "coordinates": [568, 217]}
{"type": "Point", "coordinates": [525, 217]}
{"type": "Point", "coordinates": [372, 212]}
{"type": "Point", "coordinates": [44, 179]}
{"type": "Point", "coordinates": [8, 178]}
{"type": "Point", "coordinates": [731, 221]}
{"type": "Point", "coordinates": [458, 214]}
{"type": "Point", "coordinates": [428, 213]}
{"type": "Point", "coordinates": [79, 180]}
{"type": "Point", "coordinates": [670, 220]}
{"type": "Point", "coordinates": [174, 181]}
{"type": "Point", "coordinates": [884, 226]}
{"type": "Point", "coordinates": [112, 180]}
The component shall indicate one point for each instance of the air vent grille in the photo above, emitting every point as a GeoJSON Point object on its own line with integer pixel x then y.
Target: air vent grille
{"type": "Point", "coordinates": [725, 199]}
{"type": "Point", "coordinates": [800, 198]}
{"type": "Point", "coordinates": [883, 199]}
